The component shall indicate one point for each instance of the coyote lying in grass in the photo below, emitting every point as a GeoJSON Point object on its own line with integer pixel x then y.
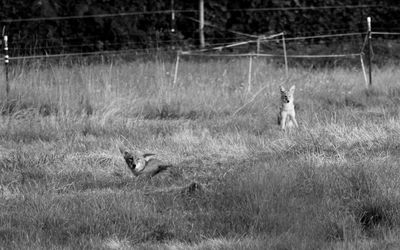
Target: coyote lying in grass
{"type": "Point", "coordinates": [287, 115]}
{"type": "Point", "coordinates": [144, 165]}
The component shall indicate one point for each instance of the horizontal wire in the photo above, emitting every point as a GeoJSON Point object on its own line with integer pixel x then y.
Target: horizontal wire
{"type": "Point", "coordinates": [23, 40]}
{"type": "Point", "coordinates": [62, 39]}
{"type": "Point", "coordinates": [223, 41]}
{"type": "Point", "coordinates": [35, 19]}
{"type": "Point", "coordinates": [247, 42]}
{"type": "Point", "coordinates": [130, 51]}
{"type": "Point", "coordinates": [289, 38]}
{"type": "Point", "coordinates": [220, 46]}
{"type": "Point", "coordinates": [164, 42]}
{"type": "Point", "coordinates": [88, 45]}
{"type": "Point", "coordinates": [153, 33]}
{"type": "Point", "coordinates": [56, 39]}
{"type": "Point", "coordinates": [309, 8]}
{"type": "Point", "coordinates": [385, 33]}
{"type": "Point", "coordinates": [325, 36]}
{"type": "Point", "coordinates": [222, 29]}
{"type": "Point", "coordinates": [324, 56]}
{"type": "Point", "coordinates": [272, 37]}
{"type": "Point", "coordinates": [240, 43]}
{"type": "Point", "coordinates": [188, 53]}
{"type": "Point", "coordinates": [327, 31]}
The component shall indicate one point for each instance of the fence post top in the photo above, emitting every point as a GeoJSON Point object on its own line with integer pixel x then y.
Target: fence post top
{"type": "Point", "coordinates": [369, 23]}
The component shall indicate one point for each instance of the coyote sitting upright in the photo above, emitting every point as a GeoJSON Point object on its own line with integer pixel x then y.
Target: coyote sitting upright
{"type": "Point", "coordinates": [287, 115]}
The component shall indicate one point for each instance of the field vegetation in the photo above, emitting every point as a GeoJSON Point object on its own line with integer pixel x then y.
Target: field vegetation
{"type": "Point", "coordinates": [239, 182]}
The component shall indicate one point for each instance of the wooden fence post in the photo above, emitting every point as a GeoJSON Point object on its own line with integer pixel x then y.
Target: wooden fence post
{"type": "Point", "coordinates": [201, 23]}
{"type": "Point", "coordinates": [369, 51]}
{"type": "Point", "coordinates": [172, 17]}
{"type": "Point", "coordinates": [176, 68]}
{"type": "Point", "coordinates": [250, 72]}
{"type": "Point", "coordinates": [285, 54]}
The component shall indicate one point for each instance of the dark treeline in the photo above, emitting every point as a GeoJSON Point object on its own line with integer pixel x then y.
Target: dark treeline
{"type": "Point", "coordinates": [148, 31]}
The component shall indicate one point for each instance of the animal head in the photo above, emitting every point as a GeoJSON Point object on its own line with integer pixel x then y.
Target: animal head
{"type": "Point", "coordinates": [287, 95]}
{"type": "Point", "coordinates": [135, 163]}
{"type": "Point", "coordinates": [129, 158]}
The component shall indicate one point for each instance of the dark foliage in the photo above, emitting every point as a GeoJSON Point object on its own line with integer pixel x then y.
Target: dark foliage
{"type": "Point", "coordinates": [154, 30]}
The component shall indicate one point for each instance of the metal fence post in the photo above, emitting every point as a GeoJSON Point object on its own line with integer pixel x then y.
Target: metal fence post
{"type": "Point", "coordinates": [6, 61]}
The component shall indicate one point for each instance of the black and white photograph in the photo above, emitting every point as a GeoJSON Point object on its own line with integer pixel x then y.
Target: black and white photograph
{"type": "Point", "coordinates": [200, 124]}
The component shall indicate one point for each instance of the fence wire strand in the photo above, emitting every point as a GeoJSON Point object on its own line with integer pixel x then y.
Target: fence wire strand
{"type": "Point", "coordinates": [221, 46]}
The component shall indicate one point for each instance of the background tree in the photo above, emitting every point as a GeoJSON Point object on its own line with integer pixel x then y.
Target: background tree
{"type": "Point", "coordinates": [153, 30]}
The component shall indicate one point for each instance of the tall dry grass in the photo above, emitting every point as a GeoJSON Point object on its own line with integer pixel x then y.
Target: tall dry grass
{"type": "Point", "coordinates": [331, 184]}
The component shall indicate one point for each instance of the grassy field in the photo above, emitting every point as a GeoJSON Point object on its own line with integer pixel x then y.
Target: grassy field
{"type": "Point", "coordinates": [331, 184]}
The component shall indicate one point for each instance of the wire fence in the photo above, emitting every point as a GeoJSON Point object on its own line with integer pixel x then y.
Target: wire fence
{"type": "Point", "coordinates": [241, 45]}
{"type": "Point", "coordinates": [258, 44]}
{"type": "Point", "coordinates": [135, 13]}
{"type": "Point", "coordinates": [95, 45]}
{"type": "Point", "coordinates": [253, 46]}
{"type": "Point", "coordinates": [38, 19]}
{"type": "Point", "coordinates": [224, 44]}
{"type": "Point", "coordinates": [84, 41]}
{"type": "Point", "coordinates": [365, 38]}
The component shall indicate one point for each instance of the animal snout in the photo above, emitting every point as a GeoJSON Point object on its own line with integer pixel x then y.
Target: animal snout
{"type": "Point", "coordinates": [286, 99]}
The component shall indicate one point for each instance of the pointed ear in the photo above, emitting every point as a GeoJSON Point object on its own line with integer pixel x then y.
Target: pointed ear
{"type": "Point", "coordinates": [125, 153]}
{"type": "Point", "coordinates": [148, 157]}
{"type": "Point", "coordinates": [121, 149]}
{"type": "Point", "coordinates": [282, 89]}
{"type": "Point", "coordinates": [292, 88]}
